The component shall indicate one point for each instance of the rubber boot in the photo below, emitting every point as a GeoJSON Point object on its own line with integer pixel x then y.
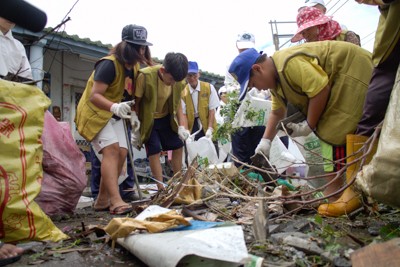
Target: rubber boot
{"type": "Point", "coordinates": [349, 201]}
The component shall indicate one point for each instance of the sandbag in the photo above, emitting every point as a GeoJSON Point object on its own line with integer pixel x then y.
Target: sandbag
{"type": "Point", "coordinates": [64, 168]}
{"type": "Point", "coordinates": [380, 179]}
{"type": "Point", "coordinates": [22, 110]}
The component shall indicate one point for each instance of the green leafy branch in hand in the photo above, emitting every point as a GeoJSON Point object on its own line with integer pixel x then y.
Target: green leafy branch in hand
{"type": "Point", "coordinates": [228, 112]}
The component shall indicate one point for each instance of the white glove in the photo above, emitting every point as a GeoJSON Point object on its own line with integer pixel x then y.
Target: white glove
{"type": "Point", "coordinates": [264, 147]}
{"type": "Point", "coordinates": [135, 122]}
{"type": "Point", "coordinates": [122, 109]}
{"type": "Point", "coordinates": [183, 133]}
{"type": "Point", "coordinates": [299, 129]}
{"type": "Point", "coordinates": [209, 132]}
{"type": "Point", "coordinates": [135, 138]}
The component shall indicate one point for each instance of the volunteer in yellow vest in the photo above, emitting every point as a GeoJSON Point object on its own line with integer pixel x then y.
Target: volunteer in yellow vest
{"type": "Point", "coordinates": [199, 103]}
{"type": "Point", "coordinates": [158, 105]}
{"type": "Point", "coordinates": [321, 79]}
{"type": "Point", "coordinates": [100, 115]}
{"type": "Point", "coordinates": [386, 58]}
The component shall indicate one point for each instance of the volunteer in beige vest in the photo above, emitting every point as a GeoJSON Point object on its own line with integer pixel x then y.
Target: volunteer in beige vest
{"type": "Point", "coordinates": [327, 81]}
{"type": "Point", "coordinates": [386, 58]}
{"type": "Point", "coordinates": [199, 104]}
{"type": "Point", "coordinates": [100, 116]}
{"type": "Point", "coordinates": [158, 104]}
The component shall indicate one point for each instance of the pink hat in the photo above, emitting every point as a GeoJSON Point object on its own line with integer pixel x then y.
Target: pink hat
{"type": "Point", "coordinates": [309, 17]}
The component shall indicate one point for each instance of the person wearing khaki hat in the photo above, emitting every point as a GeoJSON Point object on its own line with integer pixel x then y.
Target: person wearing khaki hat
{"type": "Point", "coordinates": [100, 113]}
{"type": "Point", "coordinates": [314, 26]}
{"type": "Point", "coordinates": [322, 81]}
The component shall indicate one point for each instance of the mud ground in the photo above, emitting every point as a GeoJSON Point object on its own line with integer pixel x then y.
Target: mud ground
{"type": "Point", "coordinates": [340, 235]}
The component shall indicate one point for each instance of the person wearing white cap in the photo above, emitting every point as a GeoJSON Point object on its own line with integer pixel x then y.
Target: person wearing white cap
{"type": "Point", "coordinates": [320, 4]}
{"type": "Point", "coordinates": [199, 102]}
{"type": "Point", "coordinates": [246, 139]}
{"type": "Point", "coordinates": [244, 40]}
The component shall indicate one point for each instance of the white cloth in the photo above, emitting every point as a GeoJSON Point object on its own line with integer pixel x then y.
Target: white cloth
{"type": "Point", "coordinates": [13, 57]}
{"type": "Point", "coordinates": [135, 122]}
{"type": "Point", "coordinates": [122, 109]}
{"type": "Point", "coordinates": [299, 129]}
{"type": "Point", "coordinates": [263, 147]}
{"type": "Point", "coordinates": [183, 133]}
{"type": "Point", "coordinates": [209, 132]}
{"type": "Point", "coordinates": [229, 80]}
{"type": "Point", "coordinates": [218, 117]}
{"type": "Point", "coordinates": [194, 92]}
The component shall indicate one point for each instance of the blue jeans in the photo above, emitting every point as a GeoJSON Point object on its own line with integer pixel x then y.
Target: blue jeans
{"type": "Point", "coordinates": [245, 141]}
{"type": "Point", "coordinates": [96, 176]}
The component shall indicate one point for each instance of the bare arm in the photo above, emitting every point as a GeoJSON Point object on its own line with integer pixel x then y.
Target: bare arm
{"type": "Point", "coordinates": [316, 106]}
{"type": "Point", "coordinates": [273, 120]}
{"type": "Point", "coordinates": [182, 118]}
{"type": "Point", "coordinates": [211, 117]}
{"type": "Point", "coordinates": [97, 96]}
{"type": "Point", "coordinates": [137, 104]}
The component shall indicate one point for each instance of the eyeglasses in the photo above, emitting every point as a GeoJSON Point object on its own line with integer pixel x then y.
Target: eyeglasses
{"type": "Point", "coordinates": [191, 75]}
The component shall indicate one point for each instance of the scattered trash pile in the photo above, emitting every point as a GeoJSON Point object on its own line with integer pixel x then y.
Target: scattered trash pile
{"type": "Point", "coordinates": [210, 216]}
{"type": "Point", "coordinates": [220, 215]}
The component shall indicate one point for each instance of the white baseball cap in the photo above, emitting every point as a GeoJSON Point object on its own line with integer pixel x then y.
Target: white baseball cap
{"type": "Point", "coordinates": [222, 90]}
{"type": "Point", "coordinates": [245, 40]}
{"type": "Point", "coordinates": [314, 2]}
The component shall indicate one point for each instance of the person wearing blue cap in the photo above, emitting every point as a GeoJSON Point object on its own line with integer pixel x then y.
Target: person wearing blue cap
{"type": "Point", "coordinates": [322, 80]}
{"type": "Point", "coordinates": [199, 103]}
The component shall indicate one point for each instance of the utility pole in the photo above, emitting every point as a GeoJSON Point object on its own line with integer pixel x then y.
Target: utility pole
{"type": "Point", "coordinates": [276, 36]}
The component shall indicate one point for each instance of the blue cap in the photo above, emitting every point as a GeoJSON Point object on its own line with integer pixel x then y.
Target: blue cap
{"type": "Point", "coordinates": [240, 68]}
{"type": "Point", "coordinates": [193, 67]}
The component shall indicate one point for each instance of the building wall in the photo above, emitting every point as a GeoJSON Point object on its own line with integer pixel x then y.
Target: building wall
{"type": "Point", "coordinates": [69, 73]}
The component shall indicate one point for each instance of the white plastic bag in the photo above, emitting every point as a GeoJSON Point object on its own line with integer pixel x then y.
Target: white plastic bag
{"type": "Point", "coordinates": [287, 159]}
{"type": "Point", "coordinates": [380, 179]}
{"type": "Point", "coordinates": [254, 110]}
{"type": "Point", "coordinates": [204, 148]}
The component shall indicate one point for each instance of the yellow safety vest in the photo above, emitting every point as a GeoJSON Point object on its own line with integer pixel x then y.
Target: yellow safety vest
{"type": "Point", "coordinates": [202, 105]}
{"type": "Point", "coordinates": [387, 33]}
{"type": "Point", "coordinates": [89, 118]}
{"type": "Point", "coordinates": [148, 102]}
{"type": "Point", "coordinates": [349, 69]}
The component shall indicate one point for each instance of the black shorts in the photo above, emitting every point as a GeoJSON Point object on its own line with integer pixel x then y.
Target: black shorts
{"type": "Point", "coordinates": [162, 137]}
